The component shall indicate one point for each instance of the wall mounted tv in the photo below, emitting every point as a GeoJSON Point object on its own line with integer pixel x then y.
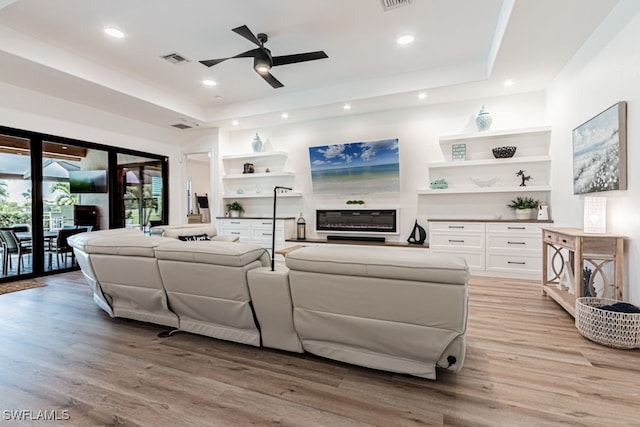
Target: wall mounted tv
{"type": "Point", "coordinates": [88, 181]}
{"type": "Point", "coordinates": [356, 167]}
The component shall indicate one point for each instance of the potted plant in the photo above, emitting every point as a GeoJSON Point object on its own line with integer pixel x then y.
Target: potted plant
{"type": "Point", "coordinates": [128, 219]}
{"type": "Point", "coordinates": [525, 207]}
{"type": "Point", "coordinates": [234, 209]}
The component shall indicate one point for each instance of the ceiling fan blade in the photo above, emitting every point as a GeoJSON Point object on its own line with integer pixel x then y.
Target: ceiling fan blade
{"type": "Point", "coordinates": [212, 62]}
{"type": "Point", "coordinates": [250, 53]}
{"type": "Point", "coordinates": [245, 32]}
{"type": "Point", "coordinates": [275, 83]}
{"type": "Point", "coordinates": [298, 57]}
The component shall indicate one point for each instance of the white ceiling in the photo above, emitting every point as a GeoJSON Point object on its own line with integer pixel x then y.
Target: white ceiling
{"type": "Point", "coordinates": [462, 48]}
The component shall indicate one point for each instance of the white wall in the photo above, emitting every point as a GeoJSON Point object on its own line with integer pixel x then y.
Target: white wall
{"type": "Point", "coordinates": [417, 129]}
{"type": "Point", "coordinates": [24, 109]}
{"type": "Point", "coordinates": [605, 71]}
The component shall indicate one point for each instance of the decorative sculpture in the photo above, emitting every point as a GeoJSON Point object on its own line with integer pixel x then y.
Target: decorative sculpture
{"type": "Point", "coordinates": [418, 235]}
{"type": "Point", "coordinates": [524, 177]}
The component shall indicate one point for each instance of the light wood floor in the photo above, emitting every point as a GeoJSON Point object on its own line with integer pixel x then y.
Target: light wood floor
{"type": "Point", "coordinates": [526, 366]}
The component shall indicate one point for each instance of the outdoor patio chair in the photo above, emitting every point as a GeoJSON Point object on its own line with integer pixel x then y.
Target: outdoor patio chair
{"type": "Point", "coordinates": [13, 246]}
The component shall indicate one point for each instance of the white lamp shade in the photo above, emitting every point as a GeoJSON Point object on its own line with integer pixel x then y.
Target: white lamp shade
{"type": "Point", "coordinates": [595, 215]}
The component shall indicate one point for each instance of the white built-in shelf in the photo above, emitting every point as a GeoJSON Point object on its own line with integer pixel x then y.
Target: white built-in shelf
{"type": "Point", "coordinates": [263, 195]}
{"type": "Point", "coordinates": [469, 190]}
{"type": "Point", "coordinates": [489, 162]}
{"type": "Point", "coordinates": [261, 154]}
{"type": "Point", "coordinates": [478, 136]}
{"type": "Point", "coordinates": [258, 175]}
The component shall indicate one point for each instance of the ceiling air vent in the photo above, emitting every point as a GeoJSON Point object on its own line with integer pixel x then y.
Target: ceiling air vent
{"type": "Point", "coordinates": [175, 58]}
{"type": "Point", "coordinates": [392, 4]}
{"type": "Point", "coordinates": [181, 126]}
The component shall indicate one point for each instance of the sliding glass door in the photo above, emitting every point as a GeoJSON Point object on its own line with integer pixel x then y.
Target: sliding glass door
{"type": "Point", "coordinates": [16, 248]}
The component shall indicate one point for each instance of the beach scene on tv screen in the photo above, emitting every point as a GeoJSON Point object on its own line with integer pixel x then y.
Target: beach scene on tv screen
{"type": "Point", "coordinates": [356, 167]}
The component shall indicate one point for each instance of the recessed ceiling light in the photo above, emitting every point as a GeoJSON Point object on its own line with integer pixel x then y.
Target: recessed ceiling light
{"type": "Point", "coordinates": [407, 39]}
{"type": "Point", "coordinates": [509, 83]}
{"type": "Point", "coordinates": [114, 32]}
{"type": "Point", "coordinates": [218, 98]}
{"type": "Point", "coordinates": [285, 115]}
{"type": "Point", "coordinates": [64, 147]}
{"type": "Point", "coordinates": [346, 107]}
{"type": "Point", "coordinates": [422, 95]}
{"type": "Point", "coordinates": [209, 82]}
{"type": "Point", "coordinates": [235, 123]}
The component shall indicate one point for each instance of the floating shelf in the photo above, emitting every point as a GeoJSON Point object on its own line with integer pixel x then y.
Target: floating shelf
{"type": "Point", "coordinates": [263, 195]}
{"type": "Point", "coordinates": [495, 133]}
{"type": "Point", "coordinates": [469, 190]}
{"type": "Point", "coordinates": [490, 162]}
{"type": "Point", "coordinates": [258, 175]}
{"type": "Point", "coordinates": [260, 154]}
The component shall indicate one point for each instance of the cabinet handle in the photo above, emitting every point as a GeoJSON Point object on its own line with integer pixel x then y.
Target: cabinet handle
{"type": "Point", "coordinates": [234, 232]}
{"type": "Point", "coordinates": [564, 240]}
{"type": "Point", "coordinates": [267, 223]}
{"type": "Point", "coordinates": [516, 243]}
{"type": "Point", "coordinates": [516, 262]}
{"type": "Point", "coordinates": [235, 222]}
{"type": "Point", "coordinates": [266, 234]}
{"type": "Point", "coordinates": [456, 241]}
{"type": "Point", "coordinates": [516, 228]}
{"type": "Point", "coordinates": [456, 226]}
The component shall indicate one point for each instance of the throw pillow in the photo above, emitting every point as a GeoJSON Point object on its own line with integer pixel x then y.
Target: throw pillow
{"type": "Point", "coordinates": [203, 236]}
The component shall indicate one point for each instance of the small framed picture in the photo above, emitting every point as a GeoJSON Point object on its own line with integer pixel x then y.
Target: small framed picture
{"type": "Point", "coordinates": [458, 152]}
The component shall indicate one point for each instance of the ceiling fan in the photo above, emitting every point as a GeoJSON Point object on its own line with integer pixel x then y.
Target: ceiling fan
{"type": "Point", "coordinates": [262, 59]}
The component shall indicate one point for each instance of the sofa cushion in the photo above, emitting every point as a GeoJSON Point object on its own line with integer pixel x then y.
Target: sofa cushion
{"type": "Point", "coordinates": [211, 252]}
{"type": "Point", "coordinates": [393, 263]}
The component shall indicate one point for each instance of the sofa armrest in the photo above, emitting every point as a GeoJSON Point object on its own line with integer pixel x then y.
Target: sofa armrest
{"type": "Point", "coordinates": [225, 238]}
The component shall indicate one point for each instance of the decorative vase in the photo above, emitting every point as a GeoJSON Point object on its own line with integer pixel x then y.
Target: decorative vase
{"type": "Point", "coordinates": [234, 214]}
{"type": "Point", "coordinates": [256, 144]}
{"type": "Point", "coordinates": [523, 213]}
{"type": "Point", "coordinates": [483, 120]}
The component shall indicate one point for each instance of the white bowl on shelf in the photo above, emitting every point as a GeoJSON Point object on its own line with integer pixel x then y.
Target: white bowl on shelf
{"type": "Point", "coordinates": [483, 182]}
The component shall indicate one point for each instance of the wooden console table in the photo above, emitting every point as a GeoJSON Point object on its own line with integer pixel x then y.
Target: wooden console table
{"type": "Point", "coordinates": [596, 250]}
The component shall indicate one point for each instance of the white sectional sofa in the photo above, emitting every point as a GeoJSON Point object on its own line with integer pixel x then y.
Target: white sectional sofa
{"type": "Point", "coordinates": [398, 310]}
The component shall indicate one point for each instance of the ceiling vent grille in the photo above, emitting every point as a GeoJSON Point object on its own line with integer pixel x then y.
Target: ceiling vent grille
{"type": "Point", "coordinates": [392, 4]}
{"type": "Point", "coordinates": [181, 126]}
{"type": "Point", "coordinates": [175, 58]}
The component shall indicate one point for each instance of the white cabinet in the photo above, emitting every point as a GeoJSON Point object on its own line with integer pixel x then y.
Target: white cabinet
{"type": "Point", "coordinates": [268, 172]}
{"type": "Point", "coordinates": [501, 249]}
{"type": "Point", "coordinates": [466, 239]}
{"type": "Point", "coordinates": [482, 173]}
{"type": "Point", "coordinates": [258, 230]}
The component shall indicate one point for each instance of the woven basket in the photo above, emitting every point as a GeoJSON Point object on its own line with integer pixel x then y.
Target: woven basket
{"type": "Point", "coordinates": [610, 328]}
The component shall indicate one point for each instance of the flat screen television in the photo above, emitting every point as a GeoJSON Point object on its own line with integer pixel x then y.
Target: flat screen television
{"type": "Point", "coordinates": [88, 181]}
{"type": "Point", "coordinates": [356, 167]}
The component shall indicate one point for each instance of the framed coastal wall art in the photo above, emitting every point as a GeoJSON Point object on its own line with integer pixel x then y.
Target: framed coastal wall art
{"type": "Point", "coordinates": [356, 167]}
{"type": "Point", "coordinates": [600, 152]}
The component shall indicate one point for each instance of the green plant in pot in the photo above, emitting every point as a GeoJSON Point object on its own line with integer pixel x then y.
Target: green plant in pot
{"type": "Point", "coordinates": [525, 207]}
{"type": "Point", "coordinates": [234, 209]}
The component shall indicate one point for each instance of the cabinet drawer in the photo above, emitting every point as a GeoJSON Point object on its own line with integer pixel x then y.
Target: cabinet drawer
{"type": "Point", "coordinates": [475, 260]}
{"type": "Point", "coordinates": [266, 223]}
{"type": "Point", "coordinates": [234, 223]}
{"type": "Point", "coordinates": [243, 233]}
{"type": "Point", "coordinates": [514, 244]}
{"type": "Point", "coordinates": [530, 265]}
{"type": "Point", "coordinates": [266, 233]}
{"type": "Point", "coordinates": [464, 241]}
{"type": "Point", "coordinates": [514, 228]}
{"type": "Point", "coordinates": [457, 227]}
